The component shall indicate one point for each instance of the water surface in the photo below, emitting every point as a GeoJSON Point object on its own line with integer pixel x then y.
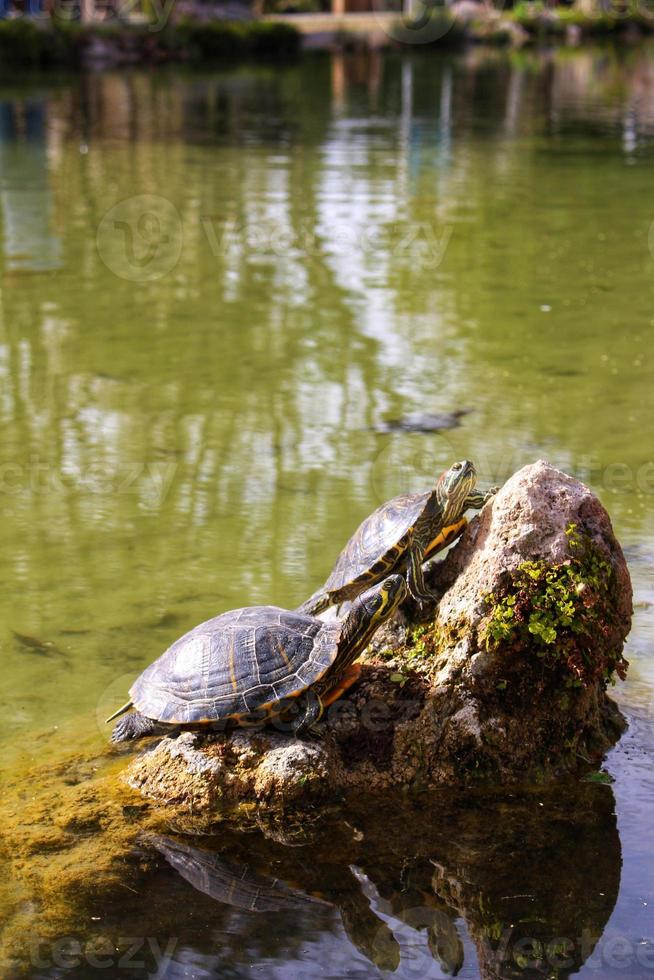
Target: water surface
{"type": "Point", "coordinates": [213, 288]}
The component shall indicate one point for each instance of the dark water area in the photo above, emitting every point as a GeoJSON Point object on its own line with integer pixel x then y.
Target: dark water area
{"type": "Point", "coordinates": [215, 292]}
{"type": "Point", "coordinates": [518, 887]}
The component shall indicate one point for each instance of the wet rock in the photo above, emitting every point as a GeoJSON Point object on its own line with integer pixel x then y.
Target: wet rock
{"type": "Point", "coordinates": [505, 680]}
{"type": "Point", "coordinates": [206, 772]}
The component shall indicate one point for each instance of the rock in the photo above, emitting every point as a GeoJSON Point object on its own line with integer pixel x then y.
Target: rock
{"type": "Point", "coordinates": [504, 681]}
{"type": "Point", "coordinates": [203, 772]}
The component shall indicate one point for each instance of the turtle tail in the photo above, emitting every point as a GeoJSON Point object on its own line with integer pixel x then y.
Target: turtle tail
{"type": "Point", "coordinates": [121, 711]}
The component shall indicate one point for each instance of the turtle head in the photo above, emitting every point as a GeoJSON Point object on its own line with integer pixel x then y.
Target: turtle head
{"type": "Point", "coordinates": [369, 610]}
{"type": "Point", "coordinates": [455, 484]}
{"type": "Point", "coordinates": [380, 603]}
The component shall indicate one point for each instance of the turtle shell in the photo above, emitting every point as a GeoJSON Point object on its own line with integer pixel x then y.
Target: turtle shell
{"type": "Point", "coordinates": [378, 542]}
{"type": "Point", "coordinates": [241, 662]}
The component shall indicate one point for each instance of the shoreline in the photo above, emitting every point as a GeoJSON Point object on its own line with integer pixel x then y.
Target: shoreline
{"type": "Point", "coordinates": [466, 23]}
{"type": "Point", "coordinates": [29, 44]}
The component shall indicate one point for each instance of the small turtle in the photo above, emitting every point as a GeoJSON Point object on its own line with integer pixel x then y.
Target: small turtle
{"type": "Point", "coordinates": [245, 666]}
{"type": "Point", "coordinates": [423, 422]}
{"type": "Point", "coordinates": [400, 535]}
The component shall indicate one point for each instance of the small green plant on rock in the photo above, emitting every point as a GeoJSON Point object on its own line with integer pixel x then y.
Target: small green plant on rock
{"type": "Point", "coordinates": [419, 646]}
{"type": "Point", "coordinates": [564, 612]}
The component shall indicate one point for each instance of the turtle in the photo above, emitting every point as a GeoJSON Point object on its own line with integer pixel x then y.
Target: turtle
{"type": "Point", "coordinates": [399, 536]}
{"type": "Point", "coordinates": [252, 665]}
{"type": "Point", "coordinates": [423, 422]}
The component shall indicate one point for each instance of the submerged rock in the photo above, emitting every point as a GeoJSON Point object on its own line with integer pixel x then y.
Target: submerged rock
{"type": "Point", "coordinates": [505, 680]}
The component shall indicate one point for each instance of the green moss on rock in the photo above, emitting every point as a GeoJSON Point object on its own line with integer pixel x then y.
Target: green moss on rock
{"type": "Point", "coordinates": [564, 612]}
{"type": "Point", "coordinates": [426, 643]}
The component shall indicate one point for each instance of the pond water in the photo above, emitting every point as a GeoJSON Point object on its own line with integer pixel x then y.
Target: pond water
{"type": "Point", "coordinates": [214, 288]}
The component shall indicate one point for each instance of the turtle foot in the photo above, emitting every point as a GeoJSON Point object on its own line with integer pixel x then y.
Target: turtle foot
{"type": "Point", "coordinates": [135, 725]}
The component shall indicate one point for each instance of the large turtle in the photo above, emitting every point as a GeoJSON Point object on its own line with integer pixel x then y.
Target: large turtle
{"type": "Point", "coordinates": [245, 666]}
{"type": "Point", "coordinates": [400, 535]}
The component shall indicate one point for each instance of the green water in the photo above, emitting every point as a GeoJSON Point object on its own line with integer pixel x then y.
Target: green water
{"type": "Point", "coordinates": [190, 381]}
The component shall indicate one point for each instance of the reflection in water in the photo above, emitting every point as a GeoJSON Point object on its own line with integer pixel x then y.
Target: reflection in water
{"type": "Point", "coordinates": [25, 197]}
{"type": "Point", "coordinates": [223, 880]}
{"type": "Point", "coordinates": [530, 882]}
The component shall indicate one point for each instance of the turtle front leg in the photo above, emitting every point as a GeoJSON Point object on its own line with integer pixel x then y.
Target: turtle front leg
{"type": "Point", "coordinates": [310, 710]}
{"type": "Point", "coordinates": [415, 577]}
{"type": "Point", "coordinates": [135, 725]}
{"type": "Point", "coordinates": [445, 537]}
{"type": "Point", "coordinates": [349, 677]}
{"type": "Point", "coordinates": [477, 499]}
{"type": "Point", "coordinates": [317, 603]}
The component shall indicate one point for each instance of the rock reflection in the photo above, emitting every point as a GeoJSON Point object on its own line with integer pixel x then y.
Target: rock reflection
{"type": "Point", "coordinates": [520, 886]}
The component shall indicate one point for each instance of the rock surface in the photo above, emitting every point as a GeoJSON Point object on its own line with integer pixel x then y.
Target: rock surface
{"type": "Point", "coordinates": [202, 771]}
{"type": "Point", "coordinates": [504, 681]}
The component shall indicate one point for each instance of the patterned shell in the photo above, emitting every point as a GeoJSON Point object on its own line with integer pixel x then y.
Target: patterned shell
{"type": "Point", "coordinates": [235, 664]}
{"type": "Point", "coordinates": [382, 531]}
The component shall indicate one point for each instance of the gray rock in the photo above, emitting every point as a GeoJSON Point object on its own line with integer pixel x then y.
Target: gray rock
{"type": "Point", "coordinates": [207, 772]}
{"type": "Point", "coordinates": [529, 520]}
